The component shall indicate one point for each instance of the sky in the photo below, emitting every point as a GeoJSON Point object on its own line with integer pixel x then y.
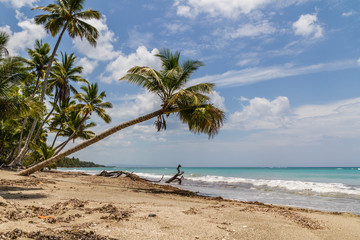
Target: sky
{"type": "Point", "coordinates": [286, 74]}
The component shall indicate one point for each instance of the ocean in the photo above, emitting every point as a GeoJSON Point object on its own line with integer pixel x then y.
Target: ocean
{"type": "Point", "coordinates": [327, 189]}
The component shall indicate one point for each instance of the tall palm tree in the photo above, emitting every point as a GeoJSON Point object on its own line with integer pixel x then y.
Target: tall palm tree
{"type": "Point", "coordinates": [91, 101]}
{"type": "Point", "coordinates": [38, 60]}
{"type": "Point", "coordinates": [62, 73]}
{"type": "Point", "coordinates": [64, 15]}
{"type": "Point", "coordinates": [37, 63]}
{"type": "Point", "coordinates": [191, 104]}
{"type": "Point", "coordinates": [4, 38]}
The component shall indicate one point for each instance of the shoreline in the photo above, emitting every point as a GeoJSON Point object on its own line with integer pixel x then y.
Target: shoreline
{"type": "Point", "coordinates": [122, 208]}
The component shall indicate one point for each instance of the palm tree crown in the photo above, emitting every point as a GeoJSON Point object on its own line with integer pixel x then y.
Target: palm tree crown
{"type": "Point", "coordinates": [170, 84]}
{"type": "Point", "coordinates": [68, 14]}
{"type": "Point", "coordinates": [93, 102]}
{"type": "Point", "coordinates": [4, 38]}
{"type": "Point", "coordinates": [61, 75]}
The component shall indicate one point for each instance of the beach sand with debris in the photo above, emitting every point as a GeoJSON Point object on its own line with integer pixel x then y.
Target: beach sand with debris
{"type": "Point", "coordinates": [59, 205]}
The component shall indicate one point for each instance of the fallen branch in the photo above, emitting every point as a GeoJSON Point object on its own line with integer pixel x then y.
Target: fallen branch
{"type": "Point", "coordinates": [177, 177]}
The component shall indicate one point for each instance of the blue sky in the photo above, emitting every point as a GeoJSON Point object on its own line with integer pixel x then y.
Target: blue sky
{"type": "Point", "coordinates": [287, 75]}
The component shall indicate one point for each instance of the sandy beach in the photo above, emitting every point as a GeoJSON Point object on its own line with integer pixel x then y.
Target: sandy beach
{"type": "Point", "coordinates": [56, 205]}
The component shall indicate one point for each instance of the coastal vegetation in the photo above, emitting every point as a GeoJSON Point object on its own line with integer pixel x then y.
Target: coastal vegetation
{"type": "Point", "coordinates": [73, 162]}
{"type": "Point", "coordinates": [29, 84]}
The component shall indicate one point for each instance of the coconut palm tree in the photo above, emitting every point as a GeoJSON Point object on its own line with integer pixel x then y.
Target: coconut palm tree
{"type": "Point", "coordinates": [91, 101]}
{"type": "Point", "coordinates": [37, 63]}
{"type": "Point", "coordinates": [4, 38]}
{"type": "Point", "coordinates": [62, 73]}
{"type": "Point", "coordinates": [64, 15]}
{"type": "Point", "coordinates": [191, 104]}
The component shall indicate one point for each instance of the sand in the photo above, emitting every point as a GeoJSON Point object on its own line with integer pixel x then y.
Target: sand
{"type": "Point", "coordinates": [55, 205]}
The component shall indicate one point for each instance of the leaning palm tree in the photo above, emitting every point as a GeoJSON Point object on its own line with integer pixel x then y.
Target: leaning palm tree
{"type": "Point", "coordinates": [191, 104]}
{"type": "Point", "coordinates": [64, 15]}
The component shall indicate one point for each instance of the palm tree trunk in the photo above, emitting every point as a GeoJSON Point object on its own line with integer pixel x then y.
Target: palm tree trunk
{"type": "Point", "coordinates": [57, 134]}
{"type": "Point", "coordinates": [21, 133]}
{"type": "Point", "coordinates": [26, 117]}
{"type": "Point", "coordinates": [21, 154]}
{"type": "Point", "coordinates": [47, 117]}
{"type": "Point", "coordinates": [89, 142]}
{"type": "Point", "coordinates": [71, 136]}
{"type": "Point", "coordinates": [18, 160]}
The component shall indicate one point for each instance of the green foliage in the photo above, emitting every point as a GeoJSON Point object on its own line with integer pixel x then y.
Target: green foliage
{"type": "Point", "coordinates": [75, 162]}
{"type": "Point", "coordinates": [192, 104]}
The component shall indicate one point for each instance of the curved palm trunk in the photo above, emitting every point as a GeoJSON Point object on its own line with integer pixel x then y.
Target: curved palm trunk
{"type": "Point", "coordinates": [89, 142]}
{"type": "Point", "coordinates": [21, 154]}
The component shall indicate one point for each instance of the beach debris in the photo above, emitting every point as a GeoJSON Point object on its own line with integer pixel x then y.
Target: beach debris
{"type": "Point", "coordinates": [114, 212]}
{"type": "Point", "coordinates": [286, 212]}
{"type": "Point", "coordinates": [132, 176]}
{"type": "Point", "coordinates": [54, 235]}
{"type": "Point", "coordinates": [178, 176]}
{"type": "Point", "coordinates": [152, 215]}
{"type": "Point", "coordinates": [191, 211]}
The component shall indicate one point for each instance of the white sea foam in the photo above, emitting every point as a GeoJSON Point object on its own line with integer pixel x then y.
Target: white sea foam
{"type": "Point", "coordinates": [299, 186]}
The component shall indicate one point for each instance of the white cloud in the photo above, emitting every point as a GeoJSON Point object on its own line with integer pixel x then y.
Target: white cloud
{"type": "Point", "coordinates": [305, 125]}
{"type": "Point", "coordinates": [227, 8]}
{"type": "Point", "coordinates": [19, 3]}
{"type": "Point", "coordinates": [252, 30]}
{"type": "Point", "coordinates": [358, 61]}
{"type": "Point", "coordinates": [252, 75]}
{"type": "Point", "coordinates": [104, 49]}
{"type": "Point", "coordinates": [88, 65]}
{"type": "Point", "coordinates": [307, 26]}
{"type": "Point", "coordinates": [218, 101]}
{"type": "Point", "coordinates": [19, 41]}
{"type": "Point", "coordinates": [347, 14]}
{"type": "Point", "coordinates": [174, 28]}
{"type": "Point", "coordinates": [118, 68]}
{"type": "Point", "coordinates": [135, 106]}
{"type": "Point", "coordinates": [261, 113]}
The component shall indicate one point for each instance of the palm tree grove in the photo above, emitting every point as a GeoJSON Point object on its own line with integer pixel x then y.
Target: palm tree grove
{"type": "Point", "coordinates": [45, 93]}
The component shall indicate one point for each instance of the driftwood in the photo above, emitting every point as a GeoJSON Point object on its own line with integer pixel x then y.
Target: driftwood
{"type": "Point", "coordinates": [132, 176]}
{"type": "Point", "coordinates": [115, 174]}
{"type": "Point", "coordinates": [177, 177]}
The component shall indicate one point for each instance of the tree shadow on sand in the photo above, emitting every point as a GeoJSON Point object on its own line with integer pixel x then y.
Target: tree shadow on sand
{"type": "Point", "coordinates": [12, 192]}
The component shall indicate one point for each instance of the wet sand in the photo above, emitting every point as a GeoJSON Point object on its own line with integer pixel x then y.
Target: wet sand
{"type": "Point", "coordinates": [57, 205]}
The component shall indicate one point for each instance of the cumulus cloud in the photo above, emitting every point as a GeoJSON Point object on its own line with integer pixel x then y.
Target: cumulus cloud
{"type": "Point", "coordinates": [218, 100]}
{"type": "Point", "coordinates": [118, 68]}
{"type": "Point", "coordinates": [308, 124]}
{"type": "Point", "coordinates": [104, 49]}
{"type": "Point", "coordinates": [253, 75]}
{"type": "Point", "coordinates": [226, 8]}
{"type": "Point", "coordinates": [88, 65]}
{"type": "Point", "coordinates": [135, 105]}
{"type": "Point", "coordinates": [347, 14]}
{"type": "Point", "coordinates": [261, 113]}
{"type": "Point", "coordinates": [252, 30]}
{"type": "Point", "coordinates": [19, 3]}
{"type": "Point", "coordinates": [19, 41]}
{"type": "Point", "coordinates": [307, 26]}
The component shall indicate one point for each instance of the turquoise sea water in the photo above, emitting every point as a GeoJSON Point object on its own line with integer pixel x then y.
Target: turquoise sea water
{"type": "Point", "coordinates": [329, 189]}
